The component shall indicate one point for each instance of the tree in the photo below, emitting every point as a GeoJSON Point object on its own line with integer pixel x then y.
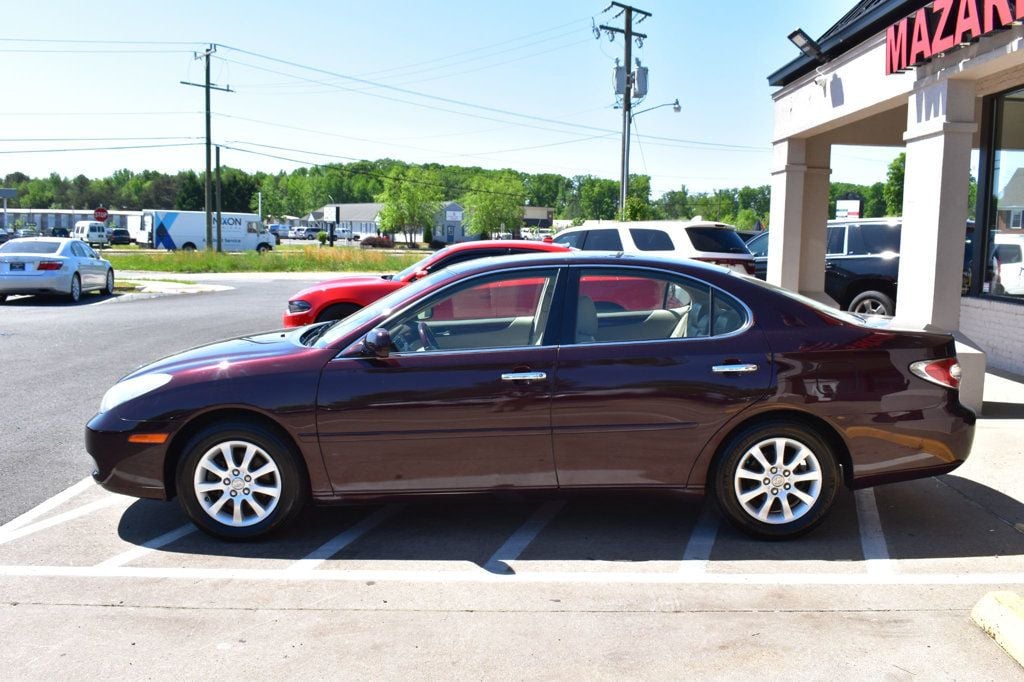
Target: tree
{"type": "Point", "coordinates": [544, 189]}
{"type": "Point", "coordinates": [495, 204]}
{"type": "Point", "coordinates": [191, 193]}
{"type": "Point", "coordinates": [637, 209]}
{"type": "Point", "coordinates": [598, 198]}
{"type": "Point", "coordinates": [411, 202]}
{"type": "Point", "coordinates": [674, 204]}
{"type": "Point", "coordinates": [893, 190]}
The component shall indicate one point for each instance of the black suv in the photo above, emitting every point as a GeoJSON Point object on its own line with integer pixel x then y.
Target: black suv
{"type": "Point", "coordinates": [862, 262]}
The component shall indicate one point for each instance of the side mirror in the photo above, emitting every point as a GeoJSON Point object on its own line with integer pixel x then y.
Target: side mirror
{"type": "Point", "coordinates": [377, 343]}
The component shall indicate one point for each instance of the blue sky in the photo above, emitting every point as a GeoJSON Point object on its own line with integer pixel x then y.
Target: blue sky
{"type": "Point", "coordinates": [420, 65]}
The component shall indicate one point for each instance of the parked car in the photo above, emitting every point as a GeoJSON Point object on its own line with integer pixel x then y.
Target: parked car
{"type": "Point", "coordinates": [60, 232]}
{"type": "Point", "coordinates": [303, 232]}
{"type": "Point", "coordinates": [700, 240]}
{"type": "Point", "coordinates": [339, 298]}
{"type": "Point", "coordinates": [862, 263]}
{"type": "Point", "coordinates": [503, 374]}
{"type": "Point", "coordinates": [119, 236]}
{"type": "Point", "coordinates": [1007, 264]}
{"type": "Point", "coordinates": [52, 265]}
{"type": "Point", "coordinates": [92, 232]}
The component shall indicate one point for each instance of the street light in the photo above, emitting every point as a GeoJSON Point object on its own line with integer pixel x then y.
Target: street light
{"type": "Point", "coordinates": [807, 45]}
{"type": "Point", "coordinates": [624, 183]}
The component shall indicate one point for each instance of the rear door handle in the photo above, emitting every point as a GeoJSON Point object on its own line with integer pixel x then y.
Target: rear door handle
{"type": "Point", "coordinates": [734, 369]}
{"type": "Point", "coordinates": [524, 376]}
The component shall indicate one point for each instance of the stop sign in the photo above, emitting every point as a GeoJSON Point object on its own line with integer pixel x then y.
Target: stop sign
{"type": "Point", "coordinates": [100, 214]}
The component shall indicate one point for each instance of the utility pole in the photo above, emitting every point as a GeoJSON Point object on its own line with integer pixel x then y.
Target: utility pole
{"type": "Point", "coordinates": [208, 86]}
{"type": "Point", "coordinates": [220, 219]}
{"type": "Point", "coordinates": [627, 96]}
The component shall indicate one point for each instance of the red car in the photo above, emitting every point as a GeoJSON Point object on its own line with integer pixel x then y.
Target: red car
{"type": "Point", "coordinates": [335, 299]}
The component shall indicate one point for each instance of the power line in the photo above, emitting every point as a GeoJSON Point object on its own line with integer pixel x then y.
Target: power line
{"type": "Point", "coordinates": [97, 139]}
{"type": "Point", "coordinates": [98, 149]}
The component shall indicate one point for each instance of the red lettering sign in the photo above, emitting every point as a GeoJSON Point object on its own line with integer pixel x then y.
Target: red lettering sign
{"type": "Point", "coordinates": [967, 24]}
{"type": "Point", "coordinates": [942, 26]}
{"type": "Point", "coordinates": [896, 47]}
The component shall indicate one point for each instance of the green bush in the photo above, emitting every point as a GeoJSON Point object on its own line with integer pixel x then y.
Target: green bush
{"type": "Point", "coordinates": [302, 259]}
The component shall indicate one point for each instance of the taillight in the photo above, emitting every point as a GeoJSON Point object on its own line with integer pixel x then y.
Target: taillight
{"type": "Point", "coordinates": [49, 265]}
{"type": "Point", "coordinates": [944, 372]}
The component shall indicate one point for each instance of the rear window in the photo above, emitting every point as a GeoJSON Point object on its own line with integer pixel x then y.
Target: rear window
{"type": "Point", "coordinates": [651, 240]}
{"type": "Point", "coordinates": [1007, 253]}
{"type": "Point", "coordinates": [571, 239]}
{"type": "Point", "coordinates": [716, 240]}
{"type": "Point", "coordinates": [29, 246]}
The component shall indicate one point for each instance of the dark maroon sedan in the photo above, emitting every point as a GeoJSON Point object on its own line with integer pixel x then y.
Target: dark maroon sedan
{"type": "Point", "coordinates": [556, 371]}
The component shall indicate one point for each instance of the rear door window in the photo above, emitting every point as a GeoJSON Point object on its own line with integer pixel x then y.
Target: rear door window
{"type": "Point", "coordinates": [603, 240]}
{"type": "Point", "coordinates": [716, 240]}
{"type": "Point", "coordinates": [651, 240]}
{"type": "Point", "coordinates": [871, 239]}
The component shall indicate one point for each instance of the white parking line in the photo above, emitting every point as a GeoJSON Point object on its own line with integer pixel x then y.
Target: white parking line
{"type": "Point", "coordinates": [336, 544]}
{"type": "Point", "coordinates": [101, 503]}
{"type": "Point", "coordinates": [522, 538]}
{"type": "Point", "coordinates": [147, 547]}
{"type": "Point", "coordinates": [47, 505]}
{"type": "Point", "coordinates": [702, 541]}
{"type": "Point", "coordinates": [872, 538]}
{"type": "Point", "coordinates": [477, 575]}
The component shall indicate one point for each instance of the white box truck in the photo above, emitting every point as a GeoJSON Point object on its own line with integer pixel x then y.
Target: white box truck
{"type": "Point", "coordinates": [186, 230]}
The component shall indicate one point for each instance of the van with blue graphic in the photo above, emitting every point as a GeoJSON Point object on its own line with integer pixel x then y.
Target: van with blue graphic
{"type": "Point", "coordinates": [186, 230]}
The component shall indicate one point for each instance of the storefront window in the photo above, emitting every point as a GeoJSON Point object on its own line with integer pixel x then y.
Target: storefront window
{"type": "Point", "coordinates": [1004, 270]}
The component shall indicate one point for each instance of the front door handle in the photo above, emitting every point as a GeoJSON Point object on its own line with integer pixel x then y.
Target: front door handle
{"type": "Point", "coordinates": [734, 369]}
{"type": "Point", "coordinates": [524, 376]}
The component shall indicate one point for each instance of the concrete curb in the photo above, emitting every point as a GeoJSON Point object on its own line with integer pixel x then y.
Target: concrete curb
{"type": "Point", "coordinates": [1001, 616]}
{"type": "Point", "coordinates": [161, 287]}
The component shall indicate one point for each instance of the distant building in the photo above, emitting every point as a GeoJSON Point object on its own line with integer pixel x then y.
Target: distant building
{"type": "Point", "coordinates": [359, 219]}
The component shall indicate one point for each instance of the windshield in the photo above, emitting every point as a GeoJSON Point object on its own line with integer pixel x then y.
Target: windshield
{"type": "Point", "coordinates": [379, 308]}
{"type": "Point", "coordinates": [417, 266]}
{"type": "Point", "coordinates": [30, 246]}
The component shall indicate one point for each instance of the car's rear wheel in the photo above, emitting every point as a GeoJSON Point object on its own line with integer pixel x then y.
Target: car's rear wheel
{"type": "Point", "coordinates": [776, 480]}
{"type": "Point", "coordinates": [873, 303]}
{"type": "Point", "coordinates": [240, 480]}
{"type": "Point", "coordinates": [75, 293]}
{"type": "Point", "coordinates": [263, 248]}
{"type": "Point", "coordinates": [109, 288]}
{"type": "Point", "coordinates": [338, 311]}
{"type": "Point", "coordinates": [189, 247]}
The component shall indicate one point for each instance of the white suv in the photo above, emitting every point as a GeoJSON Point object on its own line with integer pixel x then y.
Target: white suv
{"type": "Point", "coordinates": [696, 239]}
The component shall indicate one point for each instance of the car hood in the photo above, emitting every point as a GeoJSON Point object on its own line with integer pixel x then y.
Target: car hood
{"type": "Point", "coordinates": [345, 282]}
{"type": "Point", "coordinates": [234, 356]}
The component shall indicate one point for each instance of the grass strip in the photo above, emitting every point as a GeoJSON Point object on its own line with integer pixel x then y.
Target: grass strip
{"type": "Point", "coordinates": [308, 259]}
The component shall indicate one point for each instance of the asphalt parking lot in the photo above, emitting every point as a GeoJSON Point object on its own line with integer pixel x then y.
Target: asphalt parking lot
{"type": "Point", "coordinates": [601, 586]}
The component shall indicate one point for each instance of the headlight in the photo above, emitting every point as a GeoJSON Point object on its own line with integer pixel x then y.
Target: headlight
{"type": "Point", "coordinates": [298, 306]}
{"type": "Point", "coordinates": [124, 391]}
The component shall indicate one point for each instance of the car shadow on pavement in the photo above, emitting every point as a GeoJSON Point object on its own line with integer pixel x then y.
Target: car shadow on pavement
{"type": "Point", "coordinates": [55, 301]}
{"type": "Point", "coordinates": [944, 517]}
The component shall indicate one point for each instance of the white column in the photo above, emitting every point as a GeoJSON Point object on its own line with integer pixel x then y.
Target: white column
{"type": "Point", "coordinates": [799, 211]}
{"type": "Point", "coordinates": [940, 128]}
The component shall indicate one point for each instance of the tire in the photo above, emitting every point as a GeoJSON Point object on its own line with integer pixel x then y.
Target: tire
{"type": "Point", "coordinates": [109, 288]}
{"type": "Point", "coordinates": [189, 247]}
{"type": "Point", "coordinates": [230, 511]}
{"type": "Point", "coordinates": [262, 248]}
{"type": "Point", "coordinates": [75, 292]}
{"type": "Point", "coordinates": [759, 509]}
{"type": "Point", "coordinates": [872, 303]}
{"type": "Point", "coordinates": [338, 311]}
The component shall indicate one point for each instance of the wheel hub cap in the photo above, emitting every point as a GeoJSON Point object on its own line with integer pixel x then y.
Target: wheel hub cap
{"type": "Point", "coordinates": [237, 483]}
{"type": "Point", "coordinates": [778, 480]}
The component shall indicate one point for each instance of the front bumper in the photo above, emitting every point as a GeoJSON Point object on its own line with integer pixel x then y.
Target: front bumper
{"type": "Point", "coordinates": [136, 469]}
{"type": "Point", "coordinates": [290, 320]}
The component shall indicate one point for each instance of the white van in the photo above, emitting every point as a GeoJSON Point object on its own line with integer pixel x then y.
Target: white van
{"type": "Point", "coordinates": [90, 231]}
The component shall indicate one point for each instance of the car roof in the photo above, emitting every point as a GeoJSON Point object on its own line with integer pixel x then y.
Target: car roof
{"type": "Point", "coordinates": [505, 244]}
{"type": "Point", "coordinates": [663, 224]}
{"type": "Point", "coordinates": [574, 257]}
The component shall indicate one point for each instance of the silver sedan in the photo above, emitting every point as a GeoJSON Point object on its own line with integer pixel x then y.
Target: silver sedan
{"type": "Point", "coordinates": [52, 265]}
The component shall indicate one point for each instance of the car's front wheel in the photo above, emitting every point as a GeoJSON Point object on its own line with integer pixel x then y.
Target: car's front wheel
{"type": "Point", "coordinates": [776, 480]}
{"type": "Point", "coordinates": [241, 480]}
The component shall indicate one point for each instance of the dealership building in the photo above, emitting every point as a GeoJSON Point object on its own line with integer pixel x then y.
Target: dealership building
{"type": "Point", "coordinates": [943, 80]}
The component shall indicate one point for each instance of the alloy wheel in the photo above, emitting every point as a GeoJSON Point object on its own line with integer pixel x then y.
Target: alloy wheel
{"type": "Point", "coordinates": [237, 483]}
{"type": "Point", "coordinates": [778, 480]}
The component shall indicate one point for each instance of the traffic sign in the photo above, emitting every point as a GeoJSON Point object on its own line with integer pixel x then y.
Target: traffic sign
{"type": "Point", "coordinates": [100, 214]}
